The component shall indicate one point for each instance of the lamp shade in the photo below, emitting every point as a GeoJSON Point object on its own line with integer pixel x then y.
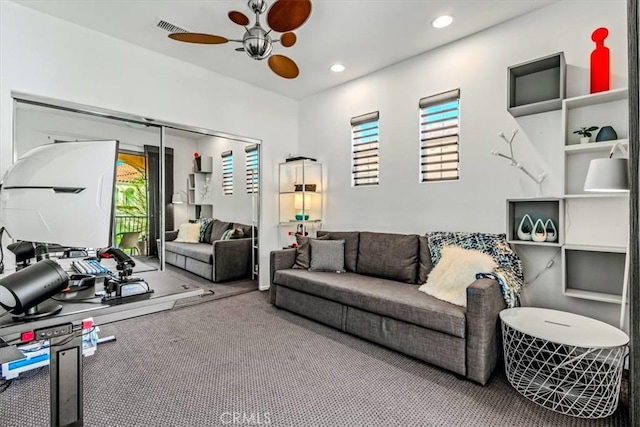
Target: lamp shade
{"type": "Point", "coordinates": [302, 203]}
{"type": "Point", "coordinates": [176, 199]}
{"type": "Point", "coordinates": [608, 175]}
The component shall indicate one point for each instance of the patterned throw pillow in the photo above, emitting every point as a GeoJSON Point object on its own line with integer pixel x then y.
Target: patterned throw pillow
{"type": "Point", "coordinates": [204, 223]}
{"type": "Point", "coordinates": [232, 234]}
{"type": "Point", "coordinates": [495, 245]}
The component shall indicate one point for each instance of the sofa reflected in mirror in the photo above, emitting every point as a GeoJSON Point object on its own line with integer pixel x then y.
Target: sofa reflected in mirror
{"type": "Point", "coordinates": [217, 250]}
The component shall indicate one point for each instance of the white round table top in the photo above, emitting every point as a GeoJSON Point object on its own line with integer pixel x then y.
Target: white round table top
{"type": "Point", "coordinates": [563, 328]}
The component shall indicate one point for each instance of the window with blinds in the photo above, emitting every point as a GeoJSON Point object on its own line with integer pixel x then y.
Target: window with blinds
{"type": "Point", "coordinates": [251, 166]}
{"type": "Point", "coordinates": [227, 172]}
{"type": "Point", "coordinates": [365, 141]}
{"type": "Point", "coordinates": [439, 129]}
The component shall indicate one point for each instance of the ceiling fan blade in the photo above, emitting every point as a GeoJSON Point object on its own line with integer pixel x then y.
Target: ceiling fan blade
{"type": "Point", "coordinates": [283, 66]}
{"type": "Point", "coordinates": [288, 39]}
{"type": "Point", "coordinates": [238, 18]}
{"type": "Point", "coordinates": [198, 38]}
{"type": "Point", "coordinates": [287, 15]}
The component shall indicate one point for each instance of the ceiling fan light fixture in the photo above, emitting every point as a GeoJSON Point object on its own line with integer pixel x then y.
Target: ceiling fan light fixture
{"type": "Point", "coordinates": [337, 68]}
{"type": "Point", "coordinates": [283, 16]}
{"type": "Point", "coordinates": [257, 43]}
{"type": "Point", "coordinates": [442, 21]}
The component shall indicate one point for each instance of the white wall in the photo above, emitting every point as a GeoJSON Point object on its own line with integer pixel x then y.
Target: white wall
{"type": "Point", "coordinates": [478, 66]}
{"type": "Point", "coordinates": [236, 207]}
{"type": "Point", "coordinates": [49, 57]}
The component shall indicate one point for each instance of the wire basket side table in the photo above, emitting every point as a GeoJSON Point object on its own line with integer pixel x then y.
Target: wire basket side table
{"type": "Point", "coordinates": [564, 362]}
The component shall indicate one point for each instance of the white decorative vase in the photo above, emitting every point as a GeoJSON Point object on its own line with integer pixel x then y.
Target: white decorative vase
{"type": "Point", "coordinates": [584, 140]}
{"type": "Point", "coordinates": [525, 224]}
{"type": "Point", "coordinates": [539, 233]}
{"type": "Point", "coordinates": [552, 231]}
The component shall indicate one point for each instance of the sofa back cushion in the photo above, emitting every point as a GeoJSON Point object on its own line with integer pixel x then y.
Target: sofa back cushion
{"type": "Point", "coordinates": [351, 242]}
{"type": "Point", "coordinates": [391, 256]}
{"type": "Point", "coordinates": [424, 263]}
{"type": "Point", "coordinates": [217, 230]}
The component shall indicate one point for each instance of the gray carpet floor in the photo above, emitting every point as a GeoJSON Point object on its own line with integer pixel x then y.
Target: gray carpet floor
{"type": "Point", "coordinates": [240, 361]}
{"type": "Point", "coordinates": [212, 291]}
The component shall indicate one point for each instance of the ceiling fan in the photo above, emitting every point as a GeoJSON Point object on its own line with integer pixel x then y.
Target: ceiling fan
{"type": "Point", "coordinates": [283, 16]}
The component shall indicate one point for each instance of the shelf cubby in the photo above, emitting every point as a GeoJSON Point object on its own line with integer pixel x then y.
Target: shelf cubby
{"type": "Point", "coordinates": [593, 272]}
{"type": "Point", "coordinates": [537, 208]}
{"type": "Point", "coordinates": [599, 109]}
{"type": "Point", "coordinates": [537, 86]}
{"type": "Point", "coordinates": [206, 165]}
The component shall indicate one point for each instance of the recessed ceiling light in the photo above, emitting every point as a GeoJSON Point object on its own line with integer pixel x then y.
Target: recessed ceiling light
{"type": "Point", "coordinates": [337, 68]}
{"type": "Point", "coordinates": [442, 21]}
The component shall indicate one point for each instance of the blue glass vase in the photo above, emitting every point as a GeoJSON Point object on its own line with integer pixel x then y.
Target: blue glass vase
{"type": "Point", "coordinates": [606, 134]}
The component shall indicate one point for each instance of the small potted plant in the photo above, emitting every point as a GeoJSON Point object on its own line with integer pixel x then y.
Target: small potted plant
{"type": "Point", "coordinates": [585, 133]}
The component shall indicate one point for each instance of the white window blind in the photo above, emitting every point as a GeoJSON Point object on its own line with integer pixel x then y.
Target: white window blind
{"type": "Point", "coordinates": [439, 130]}
{"type": "Point", "coordinates": [252, 168]}
{"type": "Point", "coordinates": [227, 172]}
{"type": "Point", "coordinates": [365, 142]}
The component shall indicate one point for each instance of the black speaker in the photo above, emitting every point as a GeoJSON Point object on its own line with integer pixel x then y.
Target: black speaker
{"type": "Point", "coordinates": [22, 291]}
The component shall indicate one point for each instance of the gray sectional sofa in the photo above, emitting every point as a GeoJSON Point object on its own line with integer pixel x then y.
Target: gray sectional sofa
{"type": "Point", "coordinates": [377, 299]}
{"type": "Point", "coordinates": [214, 259]}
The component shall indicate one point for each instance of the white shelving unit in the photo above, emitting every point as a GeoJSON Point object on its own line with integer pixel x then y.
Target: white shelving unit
{"type": "Point", "coordinates": [599, 109]}
{"type": "Point", "coordinates": [200, 186]}
{"type": "Point", "coordinates": [596, 224]}
{"type": "Point", "coordinates": [300, 199]}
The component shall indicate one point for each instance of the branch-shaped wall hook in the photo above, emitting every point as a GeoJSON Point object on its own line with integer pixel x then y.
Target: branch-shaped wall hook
{"type": "Point", "coordinates": [538, 179]}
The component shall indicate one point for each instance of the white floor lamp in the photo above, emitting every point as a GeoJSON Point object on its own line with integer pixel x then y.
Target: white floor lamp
{"type": "Point", "coordinates": [611, 175]}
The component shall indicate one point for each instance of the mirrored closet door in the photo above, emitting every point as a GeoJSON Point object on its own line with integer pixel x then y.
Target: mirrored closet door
{"type": "Point", "coordinates": [203, 175]}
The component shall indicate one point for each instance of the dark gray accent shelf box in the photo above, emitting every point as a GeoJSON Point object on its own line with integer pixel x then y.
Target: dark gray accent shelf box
{"type": "Point", "coordinates": [536, 86]}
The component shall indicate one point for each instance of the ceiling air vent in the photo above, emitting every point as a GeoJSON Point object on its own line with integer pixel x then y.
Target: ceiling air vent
{"type": "Point", "coordinates": [169, 27]}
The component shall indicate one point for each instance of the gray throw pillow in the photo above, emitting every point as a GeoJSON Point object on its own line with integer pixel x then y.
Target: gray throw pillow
{"type": "Point", "coordinates": [303, 252]}
{"type": "Point", "coordinates": [327, 255]}
{"type": "Point", "coordinates": [351, 241]}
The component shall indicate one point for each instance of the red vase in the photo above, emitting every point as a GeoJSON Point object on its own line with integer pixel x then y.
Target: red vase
{"type": "Point", "coordinates": [600, 62]}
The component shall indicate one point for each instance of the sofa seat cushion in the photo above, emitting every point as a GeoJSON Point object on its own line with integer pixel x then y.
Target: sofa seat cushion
{"type": "Point", "coordinates": [385, 297]}
{"type": "Point", "coordinates": [200, 251]}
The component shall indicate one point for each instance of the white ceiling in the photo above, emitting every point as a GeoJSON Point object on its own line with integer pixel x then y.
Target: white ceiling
{"type": "Point", "coordinates": [364, 35]}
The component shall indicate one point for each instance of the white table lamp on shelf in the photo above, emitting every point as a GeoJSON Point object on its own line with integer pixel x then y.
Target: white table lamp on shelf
{"type": "Point", "coordinates": [611, 175]}
{"type": "Point", "coordinates": [302, 206]}
{"type": "Point", "coordinates": [177, 198]}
